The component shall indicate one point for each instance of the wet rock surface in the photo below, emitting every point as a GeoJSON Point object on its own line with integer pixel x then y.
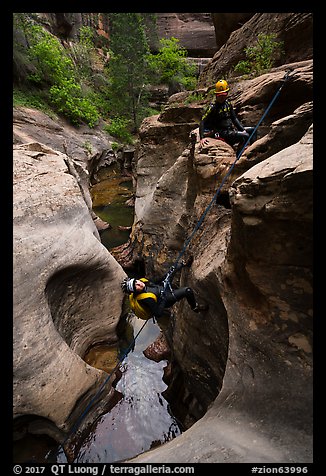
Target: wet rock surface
{"type": "Point", "coordinates": [239, 375]}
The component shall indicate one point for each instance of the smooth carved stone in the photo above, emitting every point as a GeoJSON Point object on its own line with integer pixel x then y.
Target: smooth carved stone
{"type": "Point", "coordinates": [66, 287]}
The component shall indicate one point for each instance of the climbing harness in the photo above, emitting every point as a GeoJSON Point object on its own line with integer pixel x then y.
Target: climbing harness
{"type": "Point", "coordinates": [166, 282]}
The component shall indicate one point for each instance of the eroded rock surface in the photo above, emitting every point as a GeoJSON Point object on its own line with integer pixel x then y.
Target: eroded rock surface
{"type": "Point", "coordinates": [255, 272]}
{"type": "Point", "coordinates": [240, 374]}
{"type": "Point", "coordinates": [287, 27]}
{"type": "Point", "coordinates": [66, 287]}
{"type": "Point", "coordinates": [195, 31]}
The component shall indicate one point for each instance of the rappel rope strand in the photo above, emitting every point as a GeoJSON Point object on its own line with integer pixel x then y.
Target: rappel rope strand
{"type": "Point", "coordinates": [166, 281]}
{"type": "Point", "coordinates": [97, 394]}
{"type": "Point", "coordinates": [201, 219]}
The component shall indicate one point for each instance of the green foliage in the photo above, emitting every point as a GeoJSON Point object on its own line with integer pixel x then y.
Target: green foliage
{"type": "Point", "coordinates": [87, 146]}
{"type": "Point", "coordinates": [118, 127]}
{"type": "Point", "coordinates": [67, 98]}
{"type": "Point", "coordinates": [49, 57]}
{"type": "Point", "coordinates": [194, 97]}
{"type": "Point", "coordinates": [150, 111]}
{"type": "Point", "coordinates": [132, 67]}
{"type": "Point", "coordinates": [98, 100]}
{"type": "Point", "coordinates": [32, 99]}
{"type": "Point", "coordinates": [115, 146]}
{"type": "Point", "coordinates": [83, 53]}
{"type": "Point", "coordinates": [170, 64]}
{"type": "Point", "coordinates": [54, 72]}
{"type": "Point", "coordinates": [243, 67]}
{"type": "Point", "coordinates": [86, 37]}
{"type": "Point", "coordinates": [261, 56]}
{"type": "Point", "coordinates": [67, 80]}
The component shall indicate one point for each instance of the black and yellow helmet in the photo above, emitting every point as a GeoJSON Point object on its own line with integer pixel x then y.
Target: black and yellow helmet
{"type": "Point", "coordinates": [221, 86]}
{"type": "Point", "coordinates": [128, 285]}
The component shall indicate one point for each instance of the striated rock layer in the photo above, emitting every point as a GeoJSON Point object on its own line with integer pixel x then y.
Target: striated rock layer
{"type": "Point", "coordinates": [195, 32]}
{"type": "Point", "coordinates": [239, 375]}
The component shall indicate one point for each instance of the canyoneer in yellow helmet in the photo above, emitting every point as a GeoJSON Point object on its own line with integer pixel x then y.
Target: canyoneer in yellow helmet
{"type": "Point", "coordinates": [220, 121]}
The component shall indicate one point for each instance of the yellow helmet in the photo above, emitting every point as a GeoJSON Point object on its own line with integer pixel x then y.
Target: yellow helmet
{"type": "Point", "coordinates": [221, 86]}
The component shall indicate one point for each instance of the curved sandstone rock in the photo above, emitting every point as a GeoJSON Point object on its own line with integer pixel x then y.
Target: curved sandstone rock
{"type": "Point", "coordinates": [240, 374]}
{"type": "Point", "coordinates": [66, 288]}
{"type": "Point", "coordinates": [255, 341]}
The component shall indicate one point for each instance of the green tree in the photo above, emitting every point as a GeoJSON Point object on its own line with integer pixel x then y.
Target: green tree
{"type": "Point", "coordinates": [170, 65]}
{"type": "Point", "coordinates": [51, 61]}
{"type": "Point", "coordinates": [261, 56]}
{"type": "Point", "coordinates": [127, 68]}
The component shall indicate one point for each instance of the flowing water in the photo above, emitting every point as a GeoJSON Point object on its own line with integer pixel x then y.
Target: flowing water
{"type": "Point", "coordinates": [141, 419]}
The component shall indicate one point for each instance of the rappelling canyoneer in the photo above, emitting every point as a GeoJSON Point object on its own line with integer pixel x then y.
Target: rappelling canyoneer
{"type": "Point", "coordinates": [149, 298]}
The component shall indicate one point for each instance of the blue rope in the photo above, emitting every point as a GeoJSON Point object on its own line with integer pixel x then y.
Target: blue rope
{"type": "Point", "coordinates": [200, 221]}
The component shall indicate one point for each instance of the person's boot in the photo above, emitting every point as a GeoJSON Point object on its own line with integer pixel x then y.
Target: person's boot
{"type": "Point", "coordinates": [200, 307]}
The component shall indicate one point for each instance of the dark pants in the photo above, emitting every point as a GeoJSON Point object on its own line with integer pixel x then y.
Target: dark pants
{"type": "Point", "coordinates": [239, 137]}
{"type": "Point", "coordinates": [233, 137]}
{"type": "Point", "coordinates": [179, 294]}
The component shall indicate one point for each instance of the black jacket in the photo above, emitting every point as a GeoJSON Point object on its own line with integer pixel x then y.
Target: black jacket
{"type": "Point", "coordinates": [219, 118]}
{"type": "Point", "coordinates": [156, 287]}
{"type": "Point", "coordinates": [156, 308]}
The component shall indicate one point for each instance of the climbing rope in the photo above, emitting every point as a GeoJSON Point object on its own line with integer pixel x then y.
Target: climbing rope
{"type": "Point", "coordinates": [167, 279]}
